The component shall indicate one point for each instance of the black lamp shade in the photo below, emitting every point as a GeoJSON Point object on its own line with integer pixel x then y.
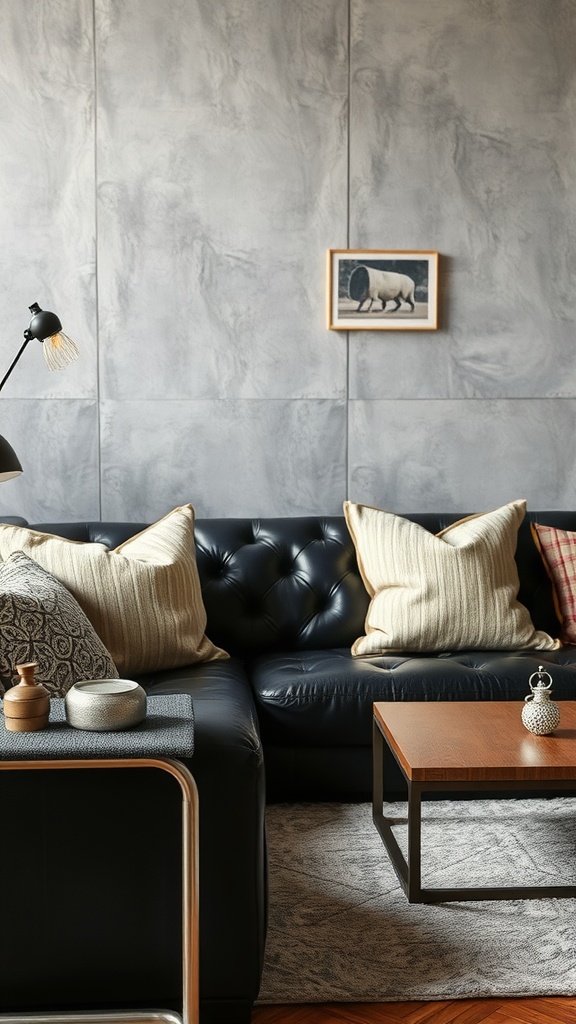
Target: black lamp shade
{"type": "Point", "coordinates": [43, 323]}
{"type": "Point", "coordinates": [9, 462]}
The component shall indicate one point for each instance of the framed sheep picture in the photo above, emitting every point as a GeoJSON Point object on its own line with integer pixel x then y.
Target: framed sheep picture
{"type": "Point", "coordinates": [382, 290]}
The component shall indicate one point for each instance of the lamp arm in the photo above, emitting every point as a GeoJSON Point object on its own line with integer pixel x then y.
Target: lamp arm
{"type": "Point", "coordinates": [27, 337]}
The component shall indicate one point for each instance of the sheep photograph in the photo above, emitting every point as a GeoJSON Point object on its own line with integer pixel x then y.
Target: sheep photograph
{"type": "Point", "coordinates": [379, 290]}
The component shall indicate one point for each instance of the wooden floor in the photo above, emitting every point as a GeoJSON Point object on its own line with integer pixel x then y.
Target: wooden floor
{"type": "Point", "coordinates": [460, 1011]}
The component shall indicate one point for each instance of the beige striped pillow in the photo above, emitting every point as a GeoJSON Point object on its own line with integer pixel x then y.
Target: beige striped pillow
{"type": "Point", "coordinates": [453, 591]}
{"type": "Point", "coordinates": [143, 598]}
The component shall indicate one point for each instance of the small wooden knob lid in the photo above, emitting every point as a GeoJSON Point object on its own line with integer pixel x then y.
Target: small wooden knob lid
{"type": "Point", "coordinates": [26, 705]}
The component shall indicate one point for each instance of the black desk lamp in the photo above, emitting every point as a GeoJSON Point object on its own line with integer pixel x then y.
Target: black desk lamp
{"type": "Point", "coordinates": [59, 350]}
{"type": "Point", "coordinates": [9, 461]}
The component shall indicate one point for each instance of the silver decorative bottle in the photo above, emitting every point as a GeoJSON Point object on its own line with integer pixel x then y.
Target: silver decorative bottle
{"type": "Point", "coordinates": [540, 715]}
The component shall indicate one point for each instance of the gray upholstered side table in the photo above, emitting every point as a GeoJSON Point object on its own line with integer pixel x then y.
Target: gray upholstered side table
{"type": "Point", "coordinates": [166, 734]}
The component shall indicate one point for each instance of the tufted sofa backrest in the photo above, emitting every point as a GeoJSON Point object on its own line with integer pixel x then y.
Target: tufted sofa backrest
{"type": "Point", "coordinates": [280, 584]}
{"type": "Point", "coordinates": [293, 583]}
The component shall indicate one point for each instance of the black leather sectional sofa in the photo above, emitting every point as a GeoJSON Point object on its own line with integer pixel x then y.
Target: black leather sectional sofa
{"type": "Point", "coordinates": [287, 717]}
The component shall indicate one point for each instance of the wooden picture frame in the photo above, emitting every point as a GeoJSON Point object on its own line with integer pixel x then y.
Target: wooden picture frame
{"type": "Point", "coordinates": [382, 290]}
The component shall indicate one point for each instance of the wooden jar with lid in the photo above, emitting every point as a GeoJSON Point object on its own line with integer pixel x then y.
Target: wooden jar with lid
{"type": "Point", "coordinates": [26, 705]}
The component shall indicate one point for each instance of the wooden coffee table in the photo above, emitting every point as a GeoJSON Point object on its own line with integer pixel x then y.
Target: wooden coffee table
{"type": "Point", "coordinates": [455, 746]}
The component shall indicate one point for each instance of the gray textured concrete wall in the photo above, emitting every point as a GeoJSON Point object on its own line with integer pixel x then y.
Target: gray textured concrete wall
{"type": "Point", "coordinates": [171, 176]}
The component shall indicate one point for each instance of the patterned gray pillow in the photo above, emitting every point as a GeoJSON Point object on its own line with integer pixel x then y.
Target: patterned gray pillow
{"type": "Point", "coordinates": [41, 621]}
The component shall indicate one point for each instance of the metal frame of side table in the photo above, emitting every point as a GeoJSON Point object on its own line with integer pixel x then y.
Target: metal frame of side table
{"type": "Point", "coordinates": [190, 951]}
{"type": "Point", "coordinates": [409, 870]}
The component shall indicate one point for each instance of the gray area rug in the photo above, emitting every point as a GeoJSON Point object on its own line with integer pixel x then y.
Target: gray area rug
{"type": "Point", "coordinates": [341, 929]}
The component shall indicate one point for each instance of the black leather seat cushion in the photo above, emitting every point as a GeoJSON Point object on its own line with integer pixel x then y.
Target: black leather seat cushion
{"type": "Point", "coordinates": [324, 698]}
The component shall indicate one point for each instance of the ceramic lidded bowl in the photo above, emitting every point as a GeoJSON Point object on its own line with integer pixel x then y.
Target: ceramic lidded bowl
{"type": "Point", "coordinates": [104, 705]}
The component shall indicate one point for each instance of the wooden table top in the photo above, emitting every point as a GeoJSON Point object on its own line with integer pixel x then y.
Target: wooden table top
{"type": "Point", "coordinates": [463, 741]}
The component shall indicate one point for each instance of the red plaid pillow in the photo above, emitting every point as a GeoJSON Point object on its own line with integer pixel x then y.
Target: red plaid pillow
{"type": "Point", "coordinates": [558, 550]}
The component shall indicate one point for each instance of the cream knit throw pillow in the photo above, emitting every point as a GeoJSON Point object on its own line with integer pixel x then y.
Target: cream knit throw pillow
{"type": "Point", "coordinates": [453, 591]}
{"type": "Point", "coordinates": [143, 598]}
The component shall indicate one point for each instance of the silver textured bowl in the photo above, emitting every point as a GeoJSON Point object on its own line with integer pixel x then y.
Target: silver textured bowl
{"type": "Point", "coordinates": [105, 705]}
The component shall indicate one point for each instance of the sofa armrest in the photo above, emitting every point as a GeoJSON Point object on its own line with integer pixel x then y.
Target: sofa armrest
{"type": "Point", "coordinates": [228, 768]}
